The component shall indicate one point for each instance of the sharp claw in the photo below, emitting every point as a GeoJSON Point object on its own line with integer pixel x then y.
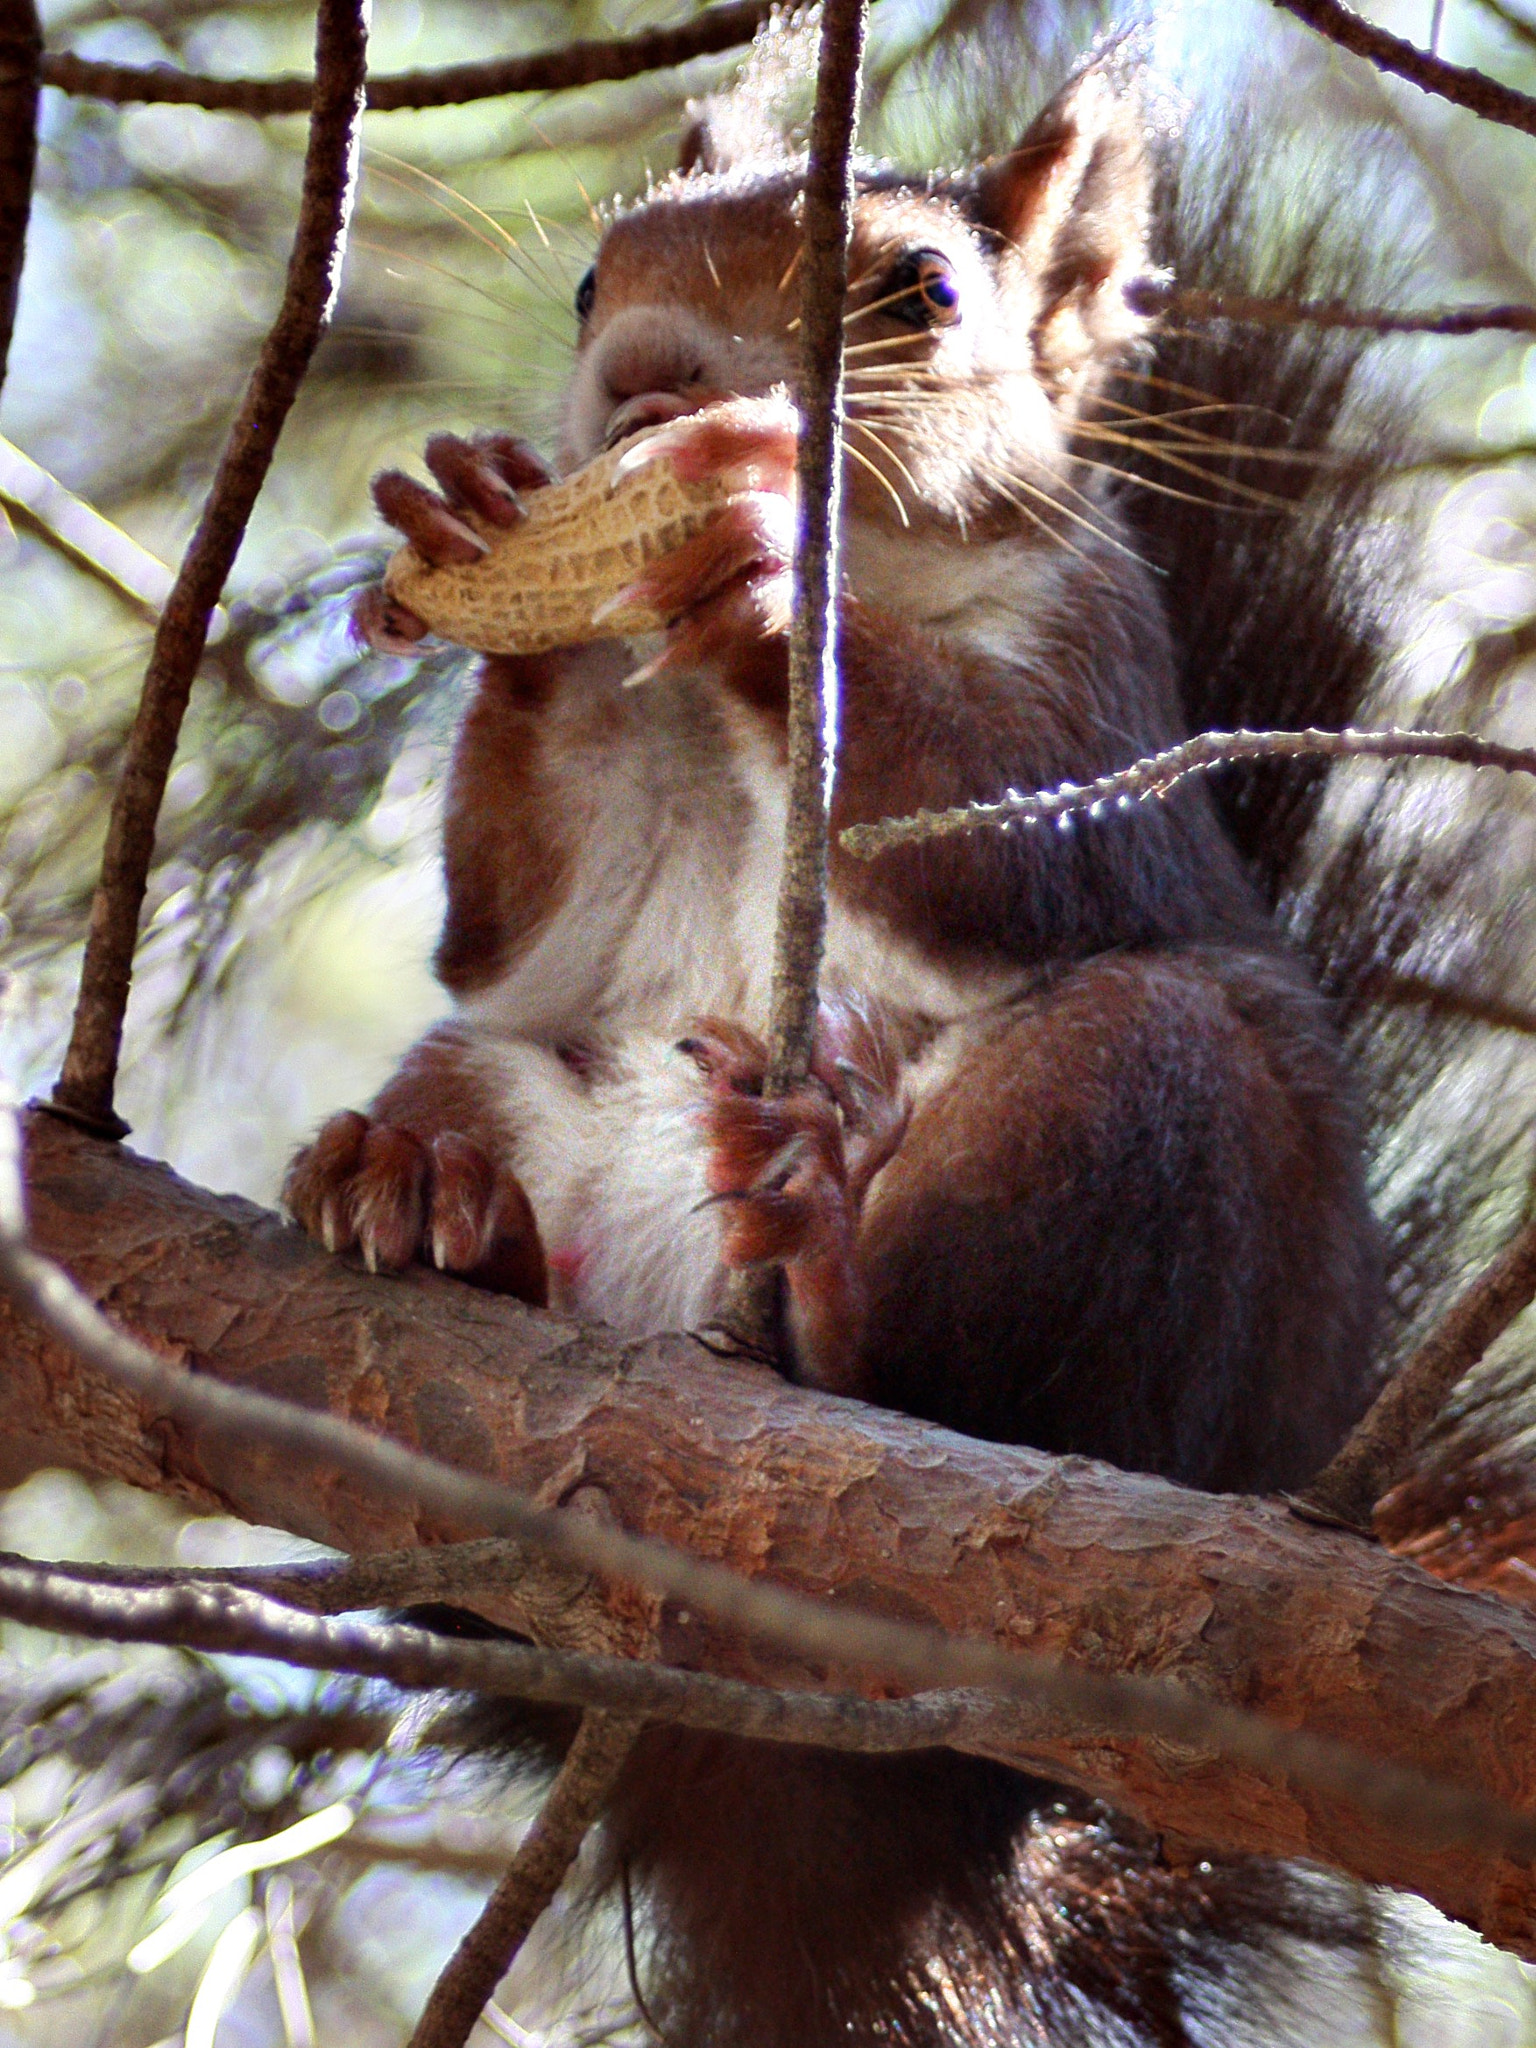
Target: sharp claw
{"type": "Point", "coordinates": [631, 594]}
{"type": "Point", "coordinates": [651, 448]}
{"type": "Point", "coordinates": [370, 1251]}
{"type": "Point", "coordinates": [330, 1229]}
{"type": "Point", "coordinates": [648, 671]}
{"type": "Point", "coordinates": [439, 1251]}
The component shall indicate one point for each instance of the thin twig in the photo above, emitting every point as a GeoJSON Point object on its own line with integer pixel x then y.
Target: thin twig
{"type": "Point", "coordinates": [1154, 295]}
{"type": "Point", "coordinates": [576, 1799]}
{"type": "Point", "coordinates": [85, 1087]}
{"type": "Point", "coordinates": [800, 931]}
{"type": "Point", "coordinates": [558, 70]}
{"type": "Point", "coordinates": [1430, 1809]}
{"type": "Point", "coordinates": [813, 684]}
{"type": "Point", "coordinates": [335, 1585]}
{"type": "Point", "coordinates": [1458, 83]}
{"type": "Point", "coordinates": [21, 50]}
{"type": "Point", "coordinates": [79, 531]}
{"type": "Point", "coordinates": [90, 1601]}
{"type": "Point", "coordinates": [1371, 1462]}
{"type": "Point", "coordinates": [1523, 31]}
{"type": "Point", "coordinates": [1159, 774]}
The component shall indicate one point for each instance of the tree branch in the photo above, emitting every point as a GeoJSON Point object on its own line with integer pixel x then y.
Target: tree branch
{"type": "Point", "coordinates": [21, 49]}
{"type": "Point", "coordinates": [1458, 83]}
{"type": "Point", "coordinates": [576, 1799]}
{"type": "Point", "coordinates": [1155, 296]}
{"type": "Point", "coordinates": [85, 1087]}
{"type": "Point", "coordinates": [813, 680]}
{"type": "Point", "coordinates": [747, 1317]}
{"type": "Point", "coordinates": [90, 1601]}
{"type": "Point", "coordinates": [560, 70]}
{"type": "Point", "coordinates": [1113, 1572]}
{"type": "Point", "coordinates": [1159, 774]}
{"type": "Point", "coordinates": [1381, 1443]}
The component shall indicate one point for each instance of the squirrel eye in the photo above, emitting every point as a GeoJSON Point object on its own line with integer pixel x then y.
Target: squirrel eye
{"type": "Point", "coordinates": [586, 292]}
{"type": "Point", "coordinates": [923, 290]}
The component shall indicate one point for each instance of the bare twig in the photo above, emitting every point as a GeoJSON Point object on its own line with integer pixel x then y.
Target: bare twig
{"type": "Point", "coordinates": [1523, 31]}
{"type": "Point", "coordinates": [91, 1601]}
{"type": "Point", "coordinates": [559, 70]}
{"type": "Point", "coordinates": [327, 1585]}
{"type": "Point", "coordinates": [85, 1087]}
{"type": "Point", "coordinates": [21, 49]}
{"type": "Point", "coordinates": [800, 931]}
{"type": "Point", "coordinates": [1155, 295]}
{"type": "Point", "coordinates": [81, 532]}
{"type": "Point", "coordinates": [1372, 1460]}
{"type": "Point", "coordinates": [576, 1799]}
{"type": "Point", "coordinates": [1159, 774]}
{"type": "Point", "coordinates": [510, 1583]}
{"type": "Point", "coordinates": [1458, 83]}
{"type": "Point", "coordinates": [813, 686]}
{"type": "Point", "coordinates": [1430, 1809]}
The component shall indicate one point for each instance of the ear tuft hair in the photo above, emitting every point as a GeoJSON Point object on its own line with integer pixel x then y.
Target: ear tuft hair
{"type": "Point", "coordinates": [761, 119]}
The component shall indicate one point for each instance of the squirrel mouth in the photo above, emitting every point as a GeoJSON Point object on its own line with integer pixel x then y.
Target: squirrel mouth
{"type": "Point", "coordinates": [651, 409]}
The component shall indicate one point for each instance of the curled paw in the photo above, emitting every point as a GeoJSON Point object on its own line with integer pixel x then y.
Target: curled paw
{"type": "Point", "coordinates": [395, 1197]}
{"type": "Point", "coordinates": [787, 1174]}
{"type": "Point", "coordinates": [481, 480]}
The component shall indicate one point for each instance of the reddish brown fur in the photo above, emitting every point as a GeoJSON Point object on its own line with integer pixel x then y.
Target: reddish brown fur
{"type": "Point", "coordinates": [1077, 1165]}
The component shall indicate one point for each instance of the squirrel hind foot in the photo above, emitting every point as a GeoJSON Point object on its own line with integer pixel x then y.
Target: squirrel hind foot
{"type": "Point", "coordinates": [397, 1200]}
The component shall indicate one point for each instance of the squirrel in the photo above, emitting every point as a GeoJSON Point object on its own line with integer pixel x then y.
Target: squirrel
{"type": "Point", "coordinates": [1078, 1164]}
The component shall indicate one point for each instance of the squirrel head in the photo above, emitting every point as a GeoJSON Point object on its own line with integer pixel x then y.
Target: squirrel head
{"type": "Point", "coordinates": [984, 308]}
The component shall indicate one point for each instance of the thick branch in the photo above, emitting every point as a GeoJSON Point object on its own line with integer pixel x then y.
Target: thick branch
{"type": "Point", "coordinates": [1116, 1705]}
{"type": "Point", "coordinates": [85, 1087]}
{"type": "Point", "coordinates": [1113, 1572]}
{"type": "Point", "coordinates": [560, 70]}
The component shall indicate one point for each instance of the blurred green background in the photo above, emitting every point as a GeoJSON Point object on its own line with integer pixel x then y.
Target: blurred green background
{"type": "Point", "coordinates": [295, 897]}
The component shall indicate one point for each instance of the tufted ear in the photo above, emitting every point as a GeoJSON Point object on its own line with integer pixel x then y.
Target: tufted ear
{"type": "Point", "coordinates": [1071, 204]}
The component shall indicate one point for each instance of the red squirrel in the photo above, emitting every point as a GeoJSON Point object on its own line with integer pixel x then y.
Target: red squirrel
{"type": "Point", "coordinates": [1077, 1166]}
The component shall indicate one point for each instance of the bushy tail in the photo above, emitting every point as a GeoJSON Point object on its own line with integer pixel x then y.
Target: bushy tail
{"type": "Point", "coordinates": [1274, 479]}
{"type": "Point", "coordinates": [938, 1901]}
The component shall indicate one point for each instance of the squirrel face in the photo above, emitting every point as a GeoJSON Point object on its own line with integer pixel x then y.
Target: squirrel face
{"type": "Point", "coordinates": [981, 312]}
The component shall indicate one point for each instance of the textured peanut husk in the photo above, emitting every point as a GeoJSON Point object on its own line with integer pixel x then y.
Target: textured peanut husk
{"type": "Point", "coordinates": [542, 584]}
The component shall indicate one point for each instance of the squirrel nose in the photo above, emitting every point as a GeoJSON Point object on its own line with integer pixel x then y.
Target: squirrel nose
{"type": "Point", "coordinates": [640, 355]}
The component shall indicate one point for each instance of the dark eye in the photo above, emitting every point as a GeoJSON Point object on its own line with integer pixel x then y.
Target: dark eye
{"type": "Point", "coordinates": [922, 290]}
{"type": "Point", "coordinates": [586, 292]}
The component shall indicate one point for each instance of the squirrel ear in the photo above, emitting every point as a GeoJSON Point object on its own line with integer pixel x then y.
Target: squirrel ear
{"type": "Point", "coordinates": [1072, 203]}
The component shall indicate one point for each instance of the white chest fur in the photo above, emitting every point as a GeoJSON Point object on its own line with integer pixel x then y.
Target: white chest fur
{"type": "Point", "coordinates": [678, 803]}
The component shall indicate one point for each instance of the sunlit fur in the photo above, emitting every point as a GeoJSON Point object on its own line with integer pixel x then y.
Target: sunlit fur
{"type": "Point", "coordinates": [1120, 1210]}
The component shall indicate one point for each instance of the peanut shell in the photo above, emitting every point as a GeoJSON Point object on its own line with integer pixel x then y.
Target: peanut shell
{"type": "Point", "coordinates": [541, 583]}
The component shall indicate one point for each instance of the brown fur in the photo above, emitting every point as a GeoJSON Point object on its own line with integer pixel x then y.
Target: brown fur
{"type": "Point", "coordinates": [1077, 1167]}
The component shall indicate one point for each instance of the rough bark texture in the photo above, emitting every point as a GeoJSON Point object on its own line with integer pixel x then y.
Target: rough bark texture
{"type": "Point", "coordinates": [1238, 1598]}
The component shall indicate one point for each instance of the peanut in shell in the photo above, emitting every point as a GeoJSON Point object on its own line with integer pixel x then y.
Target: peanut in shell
{"type": "Point", "coordinates": [542, 583]}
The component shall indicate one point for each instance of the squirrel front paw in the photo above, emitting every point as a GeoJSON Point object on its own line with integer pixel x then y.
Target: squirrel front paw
{"type": "Point", "coordinates": [396, 1198]}
{"type": "Point", "coordinates": [485, 476]}
{"type": "Point", "coordinates": [730, 583]}
{"type": "Point", "coordinates": [789, 1174]}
